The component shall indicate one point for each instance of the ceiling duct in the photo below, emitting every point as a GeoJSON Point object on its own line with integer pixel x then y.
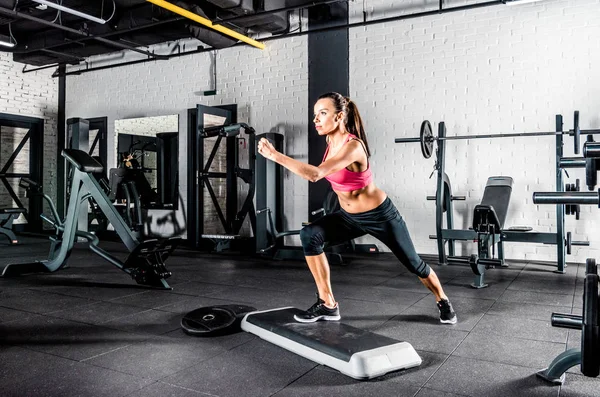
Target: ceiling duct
{"type": "Point", "coordinates": [208, 36]}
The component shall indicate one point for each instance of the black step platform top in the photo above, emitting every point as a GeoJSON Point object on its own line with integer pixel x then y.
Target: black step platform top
{"type": "Point", "coordinates": [333, 338]}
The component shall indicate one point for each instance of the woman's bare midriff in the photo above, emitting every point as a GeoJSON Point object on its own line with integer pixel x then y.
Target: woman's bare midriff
{"type": "Point", "coordinates": [361, 200]}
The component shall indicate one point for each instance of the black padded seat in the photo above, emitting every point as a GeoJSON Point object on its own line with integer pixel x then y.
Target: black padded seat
{"type": "Point", "coordinates": [494, 205]}
{"type": "Point", "coordinates": [82, 161]}
{"type": "Point", "coordinates": [12, 210]}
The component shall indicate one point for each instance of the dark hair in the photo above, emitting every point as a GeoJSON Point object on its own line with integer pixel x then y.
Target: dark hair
{"type": "Point", "coordinates": [352, 119]}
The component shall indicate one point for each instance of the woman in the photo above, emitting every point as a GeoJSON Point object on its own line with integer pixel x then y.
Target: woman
{"type": "Point", "coordinates": [365, 209]}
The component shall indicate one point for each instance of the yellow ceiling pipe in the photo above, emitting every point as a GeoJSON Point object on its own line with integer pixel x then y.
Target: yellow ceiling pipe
{"type": "Point", "coordinates": [206, 22]}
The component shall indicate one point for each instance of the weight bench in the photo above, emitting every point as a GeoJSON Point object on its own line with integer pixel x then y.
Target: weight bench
{"type": "Point", "coordinates": [488, 222]}
{"type": "Point", "coordinates": [354, 352]}
{"type": "Point", "coordinates": [7, 216]}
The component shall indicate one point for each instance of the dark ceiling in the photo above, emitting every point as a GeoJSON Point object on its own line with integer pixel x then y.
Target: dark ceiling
{"type": "Point", "coordinates": [45, 36]}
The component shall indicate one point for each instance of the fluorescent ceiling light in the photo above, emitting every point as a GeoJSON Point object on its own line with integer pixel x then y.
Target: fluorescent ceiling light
{"type": "Point", "coordinates": [70, 11]}
{"type": "Point", "coordinates": [5, 41]}
{"type": "Point", "coordinates": [518, 2]}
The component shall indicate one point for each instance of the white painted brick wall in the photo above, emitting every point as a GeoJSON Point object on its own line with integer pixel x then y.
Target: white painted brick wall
{"type": "Point", "coordinates": [32, 94]}
{"type": "Point", "coordinates": [269, 86]}
{"type": "Point", "coordinates": [489, 70]}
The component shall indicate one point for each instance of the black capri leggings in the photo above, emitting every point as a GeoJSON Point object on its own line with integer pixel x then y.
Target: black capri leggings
{"type": "Point", "coordinates": [384, 223]}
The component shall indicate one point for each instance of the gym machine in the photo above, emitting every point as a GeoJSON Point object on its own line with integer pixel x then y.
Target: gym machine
{"type": "Point", "coordinates": [233, 219]}
{"type": "Point", "coordinates": [488, 218]}
{"type": "Point", "coordinates": [146, 261]}
{"type": "Point", "coordinates": [588, 355]}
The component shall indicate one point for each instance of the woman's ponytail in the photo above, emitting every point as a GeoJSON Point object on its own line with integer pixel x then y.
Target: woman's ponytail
{"type": "Point", "coordinates": [354, 123]}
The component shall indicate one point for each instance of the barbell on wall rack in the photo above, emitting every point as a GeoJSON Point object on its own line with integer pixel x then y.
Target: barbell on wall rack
{"type": "Point", "coordinates": [583, 198]}
{"type": "Point", "coordinates": [427, 139]}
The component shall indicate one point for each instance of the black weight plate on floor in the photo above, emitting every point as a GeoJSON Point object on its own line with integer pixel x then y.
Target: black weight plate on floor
{"type": "Point", "coordinates": [426, 137]}
{"type": "Point", "coordinates": [208, 321]}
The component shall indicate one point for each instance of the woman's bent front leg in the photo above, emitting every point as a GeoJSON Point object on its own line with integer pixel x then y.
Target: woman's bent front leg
{"type": "Point", "coordinates": [319, 267]}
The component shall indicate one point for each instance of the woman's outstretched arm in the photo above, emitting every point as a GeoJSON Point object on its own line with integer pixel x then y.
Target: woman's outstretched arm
{"type": "Point", "coordinates": [350, 152]}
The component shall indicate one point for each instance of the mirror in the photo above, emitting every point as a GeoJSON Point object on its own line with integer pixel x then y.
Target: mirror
{"type": "Point", "coordinates": [147, 149]}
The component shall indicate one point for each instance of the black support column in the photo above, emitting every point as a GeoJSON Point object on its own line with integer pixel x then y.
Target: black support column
{"type": "Point", "coordinates": [61, 138]}
{"type": "Point", "coordinates": [328, 70]}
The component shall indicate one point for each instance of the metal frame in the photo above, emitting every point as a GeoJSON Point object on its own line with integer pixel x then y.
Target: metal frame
{"type": "Point", "coordinates": [199, 178]}
{"type": "Point", "coordinates": [35, 136]}
{"type": "Point", "coordinates": [487, 241]}
{"type": "Point", "coordinates": [83, 187]}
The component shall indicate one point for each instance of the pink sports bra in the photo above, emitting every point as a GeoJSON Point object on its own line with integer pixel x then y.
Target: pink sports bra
{"type": "Point", "coordinates": [345, 180]}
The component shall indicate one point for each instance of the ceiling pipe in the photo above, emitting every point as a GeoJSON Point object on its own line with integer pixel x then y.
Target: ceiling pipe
{"type": "Point", "coordinates": [44, 22]}
{"type": "Point", "coordinates": [71, 11]}
{"type": "Point", "coordinates": [104, 35]}
{"type": "Point", "coordinates": [206, 22]}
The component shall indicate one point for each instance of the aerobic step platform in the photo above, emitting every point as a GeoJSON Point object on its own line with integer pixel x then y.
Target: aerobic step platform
{"type": "Point", "coordinates": [354, 352]}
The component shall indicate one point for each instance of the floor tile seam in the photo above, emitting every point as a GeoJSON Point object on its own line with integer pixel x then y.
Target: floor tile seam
{"type": "Point", "coordinates": [454, 354]}
{"type": "Point", "coordinates": [102, 324]}
{"type": "Point", "coordinates": [443, 362]}
{"type": "Point", "coordinates": [177, 386]}
{"type": "Point", "coordinates": [385, 281]}
{"type": "Point", "coordinates": [145, 337]}
{"type": "Point", "coordinates": [54, 312]}
{"type": "Point", "coordinates": [174, 291]}
{"type": "Point", "coordinates": [443, 391]}
{"type": "Point", "coordinates": [401, 312]}
{"type": "Point", "coordinates": [384, 303]}
{"type": "Point", "coordinates": [296, 379]}
{"type": "Point", "coordinates": [65, 294]}
{"type": "Point", "coordinates": [194, 364]}
{"type": "Point", "coordinates": [115, 370]}
{"type": "Point", "coordinates": [20, 310]}
{"type": "Point", "coordinates": [224, 302]}
{"type": "Point", "coordinates": [496, 362]}
{"type": "Point", "coordinates": [532, 319]}
{"type": "Point", "coordinates": [540, 292]}
{"type": "Point", "coordinates": [148, 335]}
{"type": "Point", "coordinates": [85, 360]}
{"type": "Point", "coordinates": [477, 332]}
{"type": "Point", "coordinates": [50, 354]}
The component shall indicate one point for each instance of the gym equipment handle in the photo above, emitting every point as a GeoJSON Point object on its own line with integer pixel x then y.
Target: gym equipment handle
{"type": "Point", "coordinates": [581, 243]}
{"type": "Point", "coordinates": [572, 162]}
{"type": "Point", "coordinates": [459, 198]}
{"type": "Point", "coordinates": [571, 321]}
{"type": "Point", "coordinates": [585, 198]}
{"type": "Point", "coordinates": [406, 140]}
